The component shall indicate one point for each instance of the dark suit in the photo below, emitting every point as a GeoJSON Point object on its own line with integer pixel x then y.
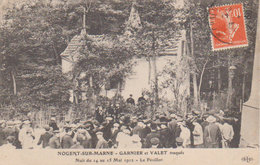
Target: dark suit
{"type": "Point", "coordinates": [54, 142]}
{"type": "Point", "coordinates": [44, 139]}
{"type": "Point", "coordinates": [66, 141]}
{"type": "Point", "coordinates": [153, 134]}
{"type": "Point", "coordinates": [174, 131]}
{"type": "Point", "coordinates": [164, 138]}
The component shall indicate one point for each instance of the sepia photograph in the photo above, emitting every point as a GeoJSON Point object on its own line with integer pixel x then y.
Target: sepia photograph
{"type": "Point", "coordinates": [134, 78]}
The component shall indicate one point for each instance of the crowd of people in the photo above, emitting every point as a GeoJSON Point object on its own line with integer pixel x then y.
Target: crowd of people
{"type": "Point", "coordinates": [125, 130]}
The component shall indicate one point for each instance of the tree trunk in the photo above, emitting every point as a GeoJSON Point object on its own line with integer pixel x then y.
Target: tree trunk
{"type": "Point", "coordinates": [195, 89]}
{"type": "Point", "coordinates": [229, 91]}
{"type": "Point", "coordinates": [155, 73]}
{"type": "Point", "coordinates": [194, 76]}
{"type": "Point", "coordinates": [149, 70]}
{"type": "Point", "coordinates": [14, 82]}
{"type": "Point", "coordinates": [201, 76]}
{"type": "Point", "coordinates": [219, 75]}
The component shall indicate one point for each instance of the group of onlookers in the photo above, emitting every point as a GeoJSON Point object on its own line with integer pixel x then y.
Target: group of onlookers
{"type": "Point", "coordinates": [194, 130]}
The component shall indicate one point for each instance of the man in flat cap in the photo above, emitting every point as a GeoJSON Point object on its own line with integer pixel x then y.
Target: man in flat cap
{"type": "Point", "coordinates": [154, 134]}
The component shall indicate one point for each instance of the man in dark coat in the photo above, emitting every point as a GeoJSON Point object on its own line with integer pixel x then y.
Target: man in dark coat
{"type": "Point", "coordinates": [164, 136]}
{"type": "Point", "coordinates": [99, 114]}
{"type": "Point", "coordinates": [67, 141]}
{"type": "Point", "coordinates": [115, 130]}
{"type": "Point", "coordinates": [130, 100]}
{"type": "Point", "coordinates": [154, 134]}
{"type": "Point", "coordinates": [174, 130]}
{"type": "Point", "coordinates": [53, 124]}
{"type": "Point", "coordinates": [191, 126]}
{"type": "Point", "coordinates": [146, 130]}
{"type": "Point", "coordinates": [54, 141]}
{"type": "Point", "coordinates": [45, 137]}
{"type": "Point", "coordinates": [107, 130]}
{"type": "Point", "coordinates": [2, 135]}
{"type": "Point", "coordinates": [141, 100]}
{"type": "Point", "coordinates": [117, 111]}
{"type": "Point", "coordinates": [80, 138]}
{"type": "Point", "coordinates": [9, 130]}
{"type": "Point", "coordinates": [212, 134]}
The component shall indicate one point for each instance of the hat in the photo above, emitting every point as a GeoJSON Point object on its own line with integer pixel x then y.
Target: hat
{"type": "Point", "coordinates": [99, 133]}
{"type": "Point", "coordinates": [56, 131]}
{"type": "Point", "coordinates": [155, 141]}
{"type": "Point", "coordinates": [46, 127]}
{"type": "Point", "coordinates": [87, 125]}
{"type": "Point", "coordinates": [53, 118]}
{"type": "Point", "coordinates": [211, 119]}
{"type": "Point", "coordinates": [116, 125]}
{"type": "Point", "coordinates": [126, 131]}
{"type": "Point", "coordinates": [9, 123]}
{"type": "Point", "coordinates": [80, 137]}
{"type": "Point", "coordinates": [109, 118]}
{"type": "Point", "coordinates": [81, 131]}
{"type": "Point", "coordinates": [173, 116]}
{"type": "Point", "coordinates": [179, 119]}
{"type": "Point", "coordinates": [179, 140]}
{"type": "Point", "coordinates": [136, 138]}
{"type": "Point", "coordinates": [17, 122]}
{"type": "Point", "coordinates": [67, 126]}
{"type": "Point", "coordinates": [163, 126]}
{"type": "Point", "coordinates": [146, 121]}
{"type": "Point", "coordinates": [10, 139]}
{"type": "Point", "coordinates": [26, 122]}
{"type": "Point", "coordinates": [157, 121]}
{"type": "Point", "coordinates": [196, 112]}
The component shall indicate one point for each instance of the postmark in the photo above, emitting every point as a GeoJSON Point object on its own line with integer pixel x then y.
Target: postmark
{"type": "Point", "coordinates": [227, 24]}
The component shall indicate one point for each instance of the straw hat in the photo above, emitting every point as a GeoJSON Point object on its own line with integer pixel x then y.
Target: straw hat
{"type": "Point", "coordinates": [211, 119]}
{"type": "Point", "coordinates": [155, 141]}
{"type": "Point", "coordinates": [173, 116]}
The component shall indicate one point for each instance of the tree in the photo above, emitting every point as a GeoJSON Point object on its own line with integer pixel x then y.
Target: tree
{"type": "Point", "coordinates": [217, 62]}
{"type": "Point", "coordinates": [30, 44]}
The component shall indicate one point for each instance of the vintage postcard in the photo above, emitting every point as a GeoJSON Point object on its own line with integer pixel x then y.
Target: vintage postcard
{"type": "Point", "coordinates": [129, 82]}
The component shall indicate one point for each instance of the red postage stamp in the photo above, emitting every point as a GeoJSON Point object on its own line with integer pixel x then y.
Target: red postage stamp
{"type": "Point", "coordinates": [227, 26]}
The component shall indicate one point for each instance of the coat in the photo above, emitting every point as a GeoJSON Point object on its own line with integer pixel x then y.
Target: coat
{"type": "Point", "coordinates": [102, 144]}
{"type": "Point", "coordinates": [44, 139]}
{"type": "Point", "coordinates": [2, 137]}
{"type": "Point", "coordinates": [54, 126]}
{"type": "Point", "coordinates": [212, 136]}
{"type": "Point", "coordinates": [124, 140]}
{"type": "Point", "coordinates": [185, 135]}
{"type": "Point", "coordinates": [66, 141]}
{"type": "Point", "coordinates": [153, 134]}
{"type": "Point", "coordinates": [197, 134]}
{"type": "Point", "coordinates": [164, 138]}
{"type": "Point", "coordinates": [113, 137]}
{"type": "Point", "coordinates": [54, 142]}
{"type": "Point", "coordinates": [77, 146]}
{"type": "Point", "coordinates": [174, 130]}
{"type": "Point", "coordinates": [227, 133]}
